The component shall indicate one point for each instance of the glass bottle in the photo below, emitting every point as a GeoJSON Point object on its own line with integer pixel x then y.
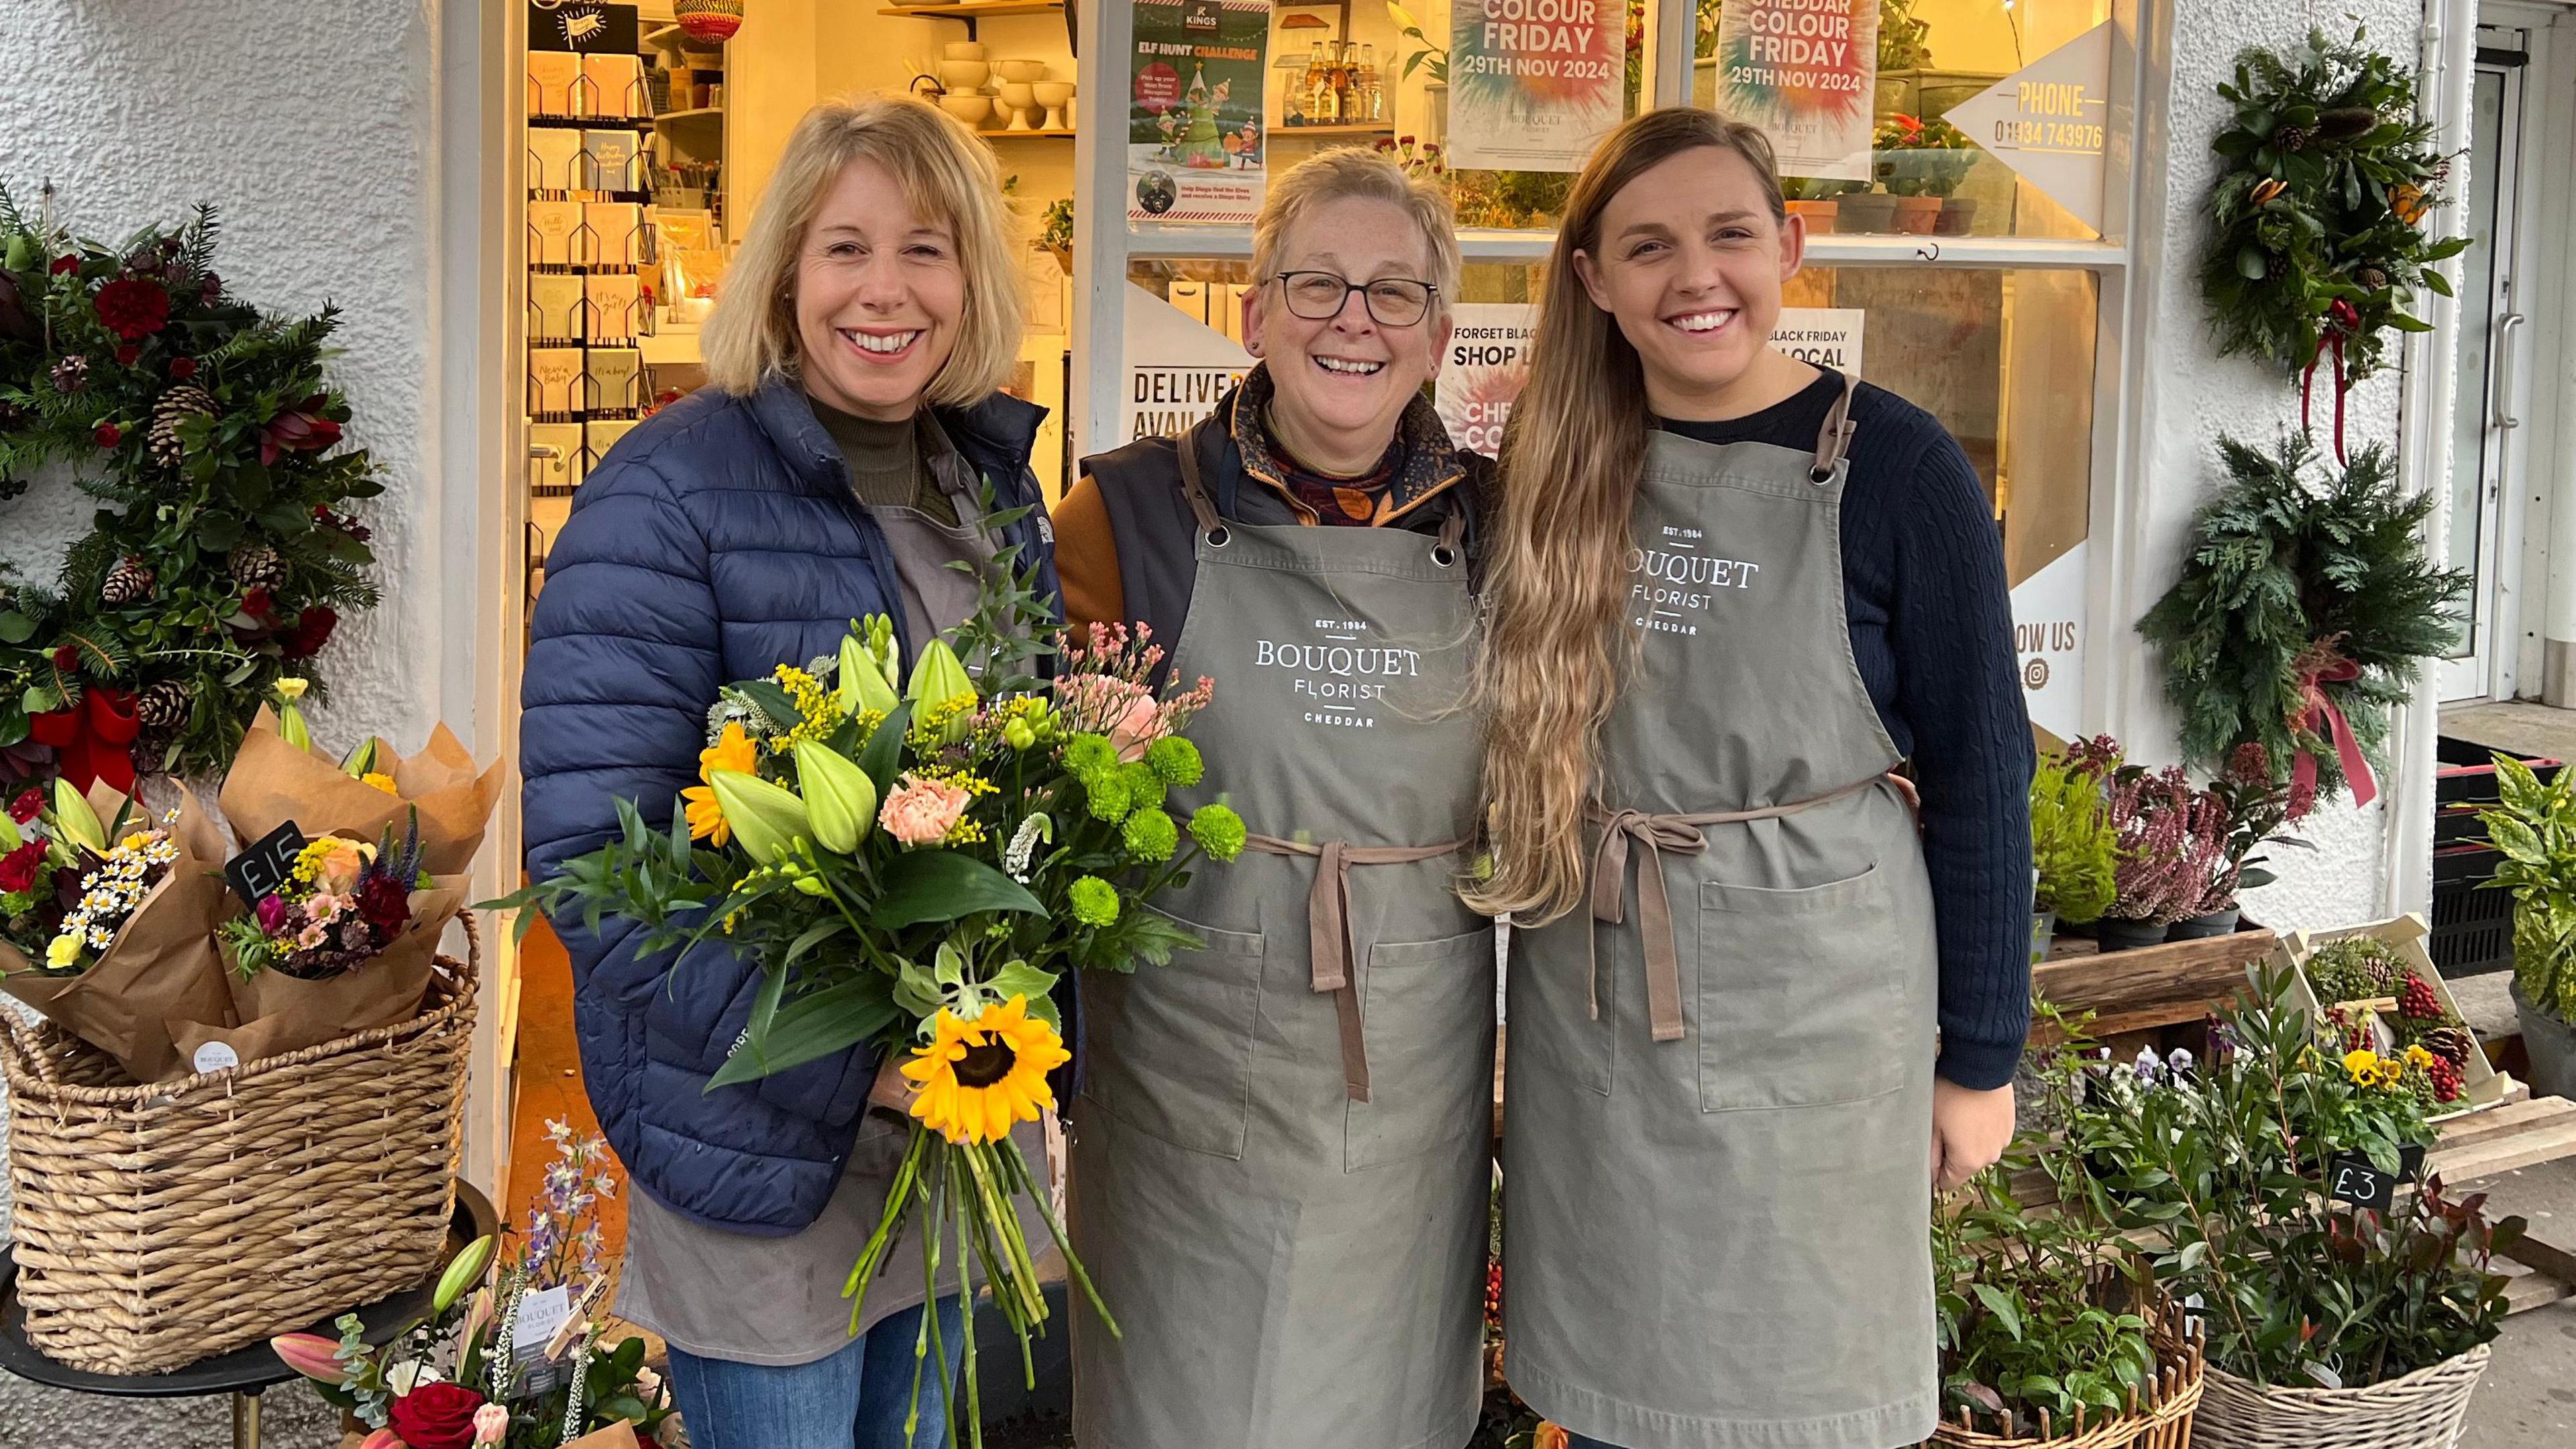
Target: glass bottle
{"type": "Point", "coordinates": [1318, 87]}
{"type": "Point", "coordinates": [1372, 93]}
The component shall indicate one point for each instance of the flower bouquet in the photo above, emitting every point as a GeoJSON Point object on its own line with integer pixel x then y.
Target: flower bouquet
{"type": "Point", "coordinates": [518, 1364]}
{"type": "Point", "coordinates": [278, 775]}
{"type": "Point", "coordinates": [131, 902]}
{"type": "Point", "coordinates": [922, 872]}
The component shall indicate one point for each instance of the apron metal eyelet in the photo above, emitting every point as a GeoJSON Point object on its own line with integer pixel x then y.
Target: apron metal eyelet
{"type": "Point", "coordinates": [1820, 476]}
{"type": "Point", "coordinates": [1443, 555]}
{"type": "Point", "coordinates": [1219, 536]}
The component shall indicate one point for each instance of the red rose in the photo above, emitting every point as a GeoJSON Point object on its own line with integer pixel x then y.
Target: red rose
{"type": "Point", "coordinates": [133, 308]}
{"type": "Point", "coordinates": [183, 368]}
{"type": "Point", "coordinates": [64, 264]}
{"type": "Point", "coordinates": [258, 601]}
{"type": "Point", "coordinates": [385, 904]}
{"type": "Point", "coordinates": [66, 658]}
{"type": "Point", "coordinates": [109, 435]}
{"type": "Point", "coordinates": [300, 429]}
{"type": "Point", "coordinates": [18, 867]}
{"type": "Point", "coordinates": [312, 630]}
{"type": "Point", "coordinates": [128, 354]}
{"type": "Point", "coordinates": [436, 1416]}
{"type": "Point", "coordinates": [27, 806]}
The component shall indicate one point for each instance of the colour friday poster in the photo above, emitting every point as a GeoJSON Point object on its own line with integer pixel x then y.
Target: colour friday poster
{"type": "Point", "coordinates": [1533, 84]}
{"type": "Point", "coordinates": [1194, 136]}
{"type": "Point", "coordinates": [1806, 72]}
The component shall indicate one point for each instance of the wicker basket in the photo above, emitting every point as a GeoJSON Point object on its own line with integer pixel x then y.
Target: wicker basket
{"type": "Point", "coordinates": [2162, 1419]}
{"type": "Point", "coordinates": [159, 1225]}
{"type": "Point", "coordinates": [2422, 1410]}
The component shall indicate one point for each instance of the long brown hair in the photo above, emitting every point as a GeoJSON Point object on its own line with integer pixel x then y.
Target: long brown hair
{"type": "Point", "coordinates": [1558, 588]}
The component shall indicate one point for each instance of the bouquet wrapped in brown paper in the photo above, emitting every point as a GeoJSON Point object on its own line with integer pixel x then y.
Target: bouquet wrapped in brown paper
{"type": "Point", "coordinates": [131, 953]}
{"type": "Point", "coordinates": [279, 776]}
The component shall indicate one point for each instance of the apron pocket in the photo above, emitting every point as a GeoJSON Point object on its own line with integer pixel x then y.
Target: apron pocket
{"type": "Point", "coordinates": [1427, 1011]}
{"type": "Point", "coordinates": [1799, 1001]}
{"type": "Point", "coordinates": [1175, 1058]}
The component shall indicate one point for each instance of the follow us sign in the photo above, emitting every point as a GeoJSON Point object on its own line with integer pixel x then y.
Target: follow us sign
{"type": "Point", "coordinates": [2048, 637]}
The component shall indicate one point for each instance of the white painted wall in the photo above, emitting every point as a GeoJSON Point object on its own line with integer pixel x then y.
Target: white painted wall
{"type": "Point", "coordinates": [2189, 396]}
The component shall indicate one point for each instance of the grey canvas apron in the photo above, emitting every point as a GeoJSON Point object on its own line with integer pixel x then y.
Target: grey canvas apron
{"type": "Point", "coordinates": [777, 1301]}
{"type": "Point", "coordinates": [1717, 1135]}
{"type": "Point", "coordinates": [1281, 1160]}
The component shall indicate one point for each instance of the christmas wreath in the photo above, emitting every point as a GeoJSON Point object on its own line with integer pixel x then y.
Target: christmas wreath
{"type": "Point", "coordinates": [2304, 611]}
{"type": "Point", "coordinates": [222, 558]}
{"type": "Point", "coordinates": [2315, 244]}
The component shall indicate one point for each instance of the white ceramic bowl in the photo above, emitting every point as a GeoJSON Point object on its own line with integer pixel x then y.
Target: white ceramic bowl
{"type": "Point", "coordinates": [973, 110]}
{"type": "Point", "coordinates": [1052, 94]}
{"type": "Point", "coordinates": [1028, 72]}
{"type": "Point", "coordinates": [963, 50]}
{"type": "Point", "coordinates": [963, 75]}
{"type": "Point", "coordinates": [1018, 95]}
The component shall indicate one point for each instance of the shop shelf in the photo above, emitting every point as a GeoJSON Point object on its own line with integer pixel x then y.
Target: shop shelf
{"type": "Point", "coordinates": [975, 9]}
{"type": "Point", "coordinates": [691, 114]}
{"type": "Point", "coordinates": [1041, 135]}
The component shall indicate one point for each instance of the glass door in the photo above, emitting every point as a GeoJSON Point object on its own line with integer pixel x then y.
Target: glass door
{"type": "Point", "coordinates": [2487, 452]}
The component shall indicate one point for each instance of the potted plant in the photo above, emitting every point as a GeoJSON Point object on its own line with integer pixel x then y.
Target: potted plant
{"type": "Point", "coordinates": [1056, 235]}
{"type": "Point", "coordinates": [1921, 163]}
{"type": "Point", "coordinates": [2336, 1308]}
{"type": "Point", "coordinates": [2365, 987]}
{"type": "Point", "coordinates": [2072, 846]}
{"type": "Point", "coordinates": [2247, 808]}
{"type": "Point", "coordinates": [2043, 1338]}
{"type": "Point", "coordinates": [1818, 199]}
{"type": "Point", "coordinates": [1865, 211]}
{"type": "Point", "coordinates": [2163, 861]}
{"type": "Point", "coordinates": [2534, 825]}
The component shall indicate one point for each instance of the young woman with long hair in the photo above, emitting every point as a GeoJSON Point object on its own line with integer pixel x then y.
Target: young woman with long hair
{"type": "Point", "coordinates": [1756, 1008]}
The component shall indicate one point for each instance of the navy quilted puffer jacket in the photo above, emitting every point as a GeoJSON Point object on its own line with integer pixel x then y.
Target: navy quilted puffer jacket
{"type": "Point", "coordinates": [715, 542]}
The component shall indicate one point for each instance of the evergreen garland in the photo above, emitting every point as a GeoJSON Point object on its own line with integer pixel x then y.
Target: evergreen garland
{"type": "Point", "coordinates": [2286, 584]}
{"type": "Point", "coordinates": [2314, 239]}
{"type": "Point", "coordinates": [220, 557]}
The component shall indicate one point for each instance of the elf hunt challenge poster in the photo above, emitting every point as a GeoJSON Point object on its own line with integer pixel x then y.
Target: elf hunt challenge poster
{"type": "Point", "coordinates": [1806, 72]}
{"type": "Point", "coordinates": [1533, 84]}
{"type": "Point", "coordinates": [1194, 136]}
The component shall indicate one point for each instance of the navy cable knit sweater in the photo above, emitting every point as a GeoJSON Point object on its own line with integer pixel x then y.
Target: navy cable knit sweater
{"type": "Point", "coordinates": [1931, 629]}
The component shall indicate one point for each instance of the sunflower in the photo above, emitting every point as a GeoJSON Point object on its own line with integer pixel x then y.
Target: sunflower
{"type": "Point", "coordinates": [733, 750]}
{"type": "Point", "coordinates": [974, 1080]}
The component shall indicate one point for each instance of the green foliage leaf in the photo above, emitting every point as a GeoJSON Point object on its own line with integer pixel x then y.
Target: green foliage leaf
{"type": "Point", "coordinates": [943, 885]}
{"type": "Point", "coordinates": [810, 1028]}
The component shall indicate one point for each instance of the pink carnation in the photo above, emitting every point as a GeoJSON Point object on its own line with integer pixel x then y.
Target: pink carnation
{"type": "Point", "coordinates": [921, 812]}
{"type": "Point", "coordinates": [1138, 726]}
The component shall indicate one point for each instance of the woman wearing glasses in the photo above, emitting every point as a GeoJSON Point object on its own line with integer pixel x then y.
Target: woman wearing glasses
{"type": "Point", "coordinates": [1280, 1159]}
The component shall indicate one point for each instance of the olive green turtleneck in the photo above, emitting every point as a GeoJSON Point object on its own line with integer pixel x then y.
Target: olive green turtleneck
{"type": "Point", "coordinates": [888, 468]}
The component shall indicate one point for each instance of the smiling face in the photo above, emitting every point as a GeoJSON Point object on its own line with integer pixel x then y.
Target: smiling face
{"type": "Point", "coordinates": [1689, 261]}
{"type": "Point", "coordinates": [1342, 382]}
{"type": "Point", "coordinates": [879, 296]}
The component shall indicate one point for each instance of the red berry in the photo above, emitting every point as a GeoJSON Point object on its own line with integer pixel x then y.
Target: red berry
{"type": "Point", "coordinates": [108, 435]}
{"type": "Point", "coordinates": [2416, 1001]}
{"type": "Point", "coordinates": [183, 368]}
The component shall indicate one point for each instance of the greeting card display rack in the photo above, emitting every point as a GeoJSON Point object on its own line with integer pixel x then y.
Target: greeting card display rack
{"type": "Point", "coordinates": [591, 251]}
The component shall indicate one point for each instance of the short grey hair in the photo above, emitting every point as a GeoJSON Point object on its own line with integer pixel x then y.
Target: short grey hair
{"type": "Point", "coordinates": [1362, 174]}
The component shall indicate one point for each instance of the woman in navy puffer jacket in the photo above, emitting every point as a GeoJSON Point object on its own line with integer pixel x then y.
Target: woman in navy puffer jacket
{"type": "Point", "coordinates": [838, 462]}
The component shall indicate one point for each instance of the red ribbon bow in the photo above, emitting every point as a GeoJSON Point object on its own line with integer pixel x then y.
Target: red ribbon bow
{"type": "Point", "coordinates": [2318, 715]}
{"type": "Point", "coordinates": [2342, 320]}
{"type": "Point", "coordinates": [94, 738]}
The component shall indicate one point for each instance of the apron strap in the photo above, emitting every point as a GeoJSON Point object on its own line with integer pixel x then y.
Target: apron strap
{"type": "Point", "coordinates": [1191, 489]}
{"type": "Point", "coordinates": [1328, 925]}
{"type": "Point", "coordinates": [1452, 529]}
{"type": "Point", "coordinates": [1659, 833]}
{"type": "Point", "coordinates": [1833, 440]}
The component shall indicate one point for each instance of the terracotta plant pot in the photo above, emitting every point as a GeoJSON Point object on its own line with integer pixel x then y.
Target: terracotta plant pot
{"type": "Point", "coordinates": [1958, 216]}
{"type": "Point", "coordinates": [1819, 215]}
{"type": "Point", "coordinates": [1917, 215]}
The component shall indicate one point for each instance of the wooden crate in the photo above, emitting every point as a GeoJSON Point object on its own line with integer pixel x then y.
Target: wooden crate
{"type": "Point", "coordinates": [2145, 988]}
{"type": "Point", "coordinates": [2483, 1085]}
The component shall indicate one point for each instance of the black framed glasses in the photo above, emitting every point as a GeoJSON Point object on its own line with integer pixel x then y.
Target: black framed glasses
{"type": "Point", "coordinates": [1392, 301]}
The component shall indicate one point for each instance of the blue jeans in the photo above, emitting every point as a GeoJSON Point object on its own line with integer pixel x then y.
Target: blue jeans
{"type": "Point", "coordinates": [856, 1399]}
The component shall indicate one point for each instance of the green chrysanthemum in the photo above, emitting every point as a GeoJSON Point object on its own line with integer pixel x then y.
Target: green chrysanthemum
{"type": "Point", "coordinates": [1151, 835]}
{"type": "Point", "coordinates": [1095, 901]}
{"type": "Point", "coordinates": [1218, 830]}
{"type": "Point", "coordinates": [1105, 795]}
{"type": "Point", "coordinates": [1175, 760]}
{"type": "Point", "coordinates": [1087, 756]}
{"type": "Point", "coordinates": [1144, 787]}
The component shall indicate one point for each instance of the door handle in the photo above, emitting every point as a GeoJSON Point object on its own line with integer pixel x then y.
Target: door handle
{"type": "Point", "coordinates": [2500, 367]}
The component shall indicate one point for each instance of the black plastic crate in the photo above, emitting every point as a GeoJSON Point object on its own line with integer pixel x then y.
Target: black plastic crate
{"type": "Point", "coordinates": [2465, 773]}
{"type": "Point", "coordinates": [2472, 926]}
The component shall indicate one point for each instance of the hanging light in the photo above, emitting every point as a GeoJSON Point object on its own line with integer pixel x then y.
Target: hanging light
{"type": "Point", "coordinates": [708, 19]}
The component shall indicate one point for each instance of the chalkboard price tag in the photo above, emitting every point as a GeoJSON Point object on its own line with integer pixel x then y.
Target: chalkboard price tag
{"type": "Point", "coordinates": [2410, 1161]}
{"type": "Point", "coordinates": [262, 870]}
{"type": "Point", "coordinates": [2351, 1178]}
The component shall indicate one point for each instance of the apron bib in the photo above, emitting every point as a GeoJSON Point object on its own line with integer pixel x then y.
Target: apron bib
{"type": "Point", "coordinates": [1281, 1166]}
{"type": "Point", "coordinates": [1718, 1107]}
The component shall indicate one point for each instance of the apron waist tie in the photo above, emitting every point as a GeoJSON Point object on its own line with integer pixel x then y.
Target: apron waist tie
{"type": "Point", "coordinates": [1328, 922]}
{"type": "Point", "coordinates": [1659, 833]}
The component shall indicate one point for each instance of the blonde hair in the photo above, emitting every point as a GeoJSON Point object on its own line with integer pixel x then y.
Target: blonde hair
{"type": "Point", "coordinates": [1357, 173]}
{"type": "Point", "coordinates": [1557, 590]}
{"type": "Point", "coordinates": [948, 178]}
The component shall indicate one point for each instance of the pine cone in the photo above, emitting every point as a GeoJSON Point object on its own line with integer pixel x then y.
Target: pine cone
{"type": "Point", "coordinates": [130, 582]}
{"type": "Point", "coordinates": [2371, 277]}
{"type": "Point", "coordinates": [2293, 138]}
{"type": "Point", "coordinates": [256, 565]}
{"type": "Point", "coordinates": [163, 706]}
{"type": "Point", "coordinates": [2451, 1043]}
{"type": "Point", "coordinates": [180, 403]}
{"type": "Point", "coordinates": [71, 374]}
